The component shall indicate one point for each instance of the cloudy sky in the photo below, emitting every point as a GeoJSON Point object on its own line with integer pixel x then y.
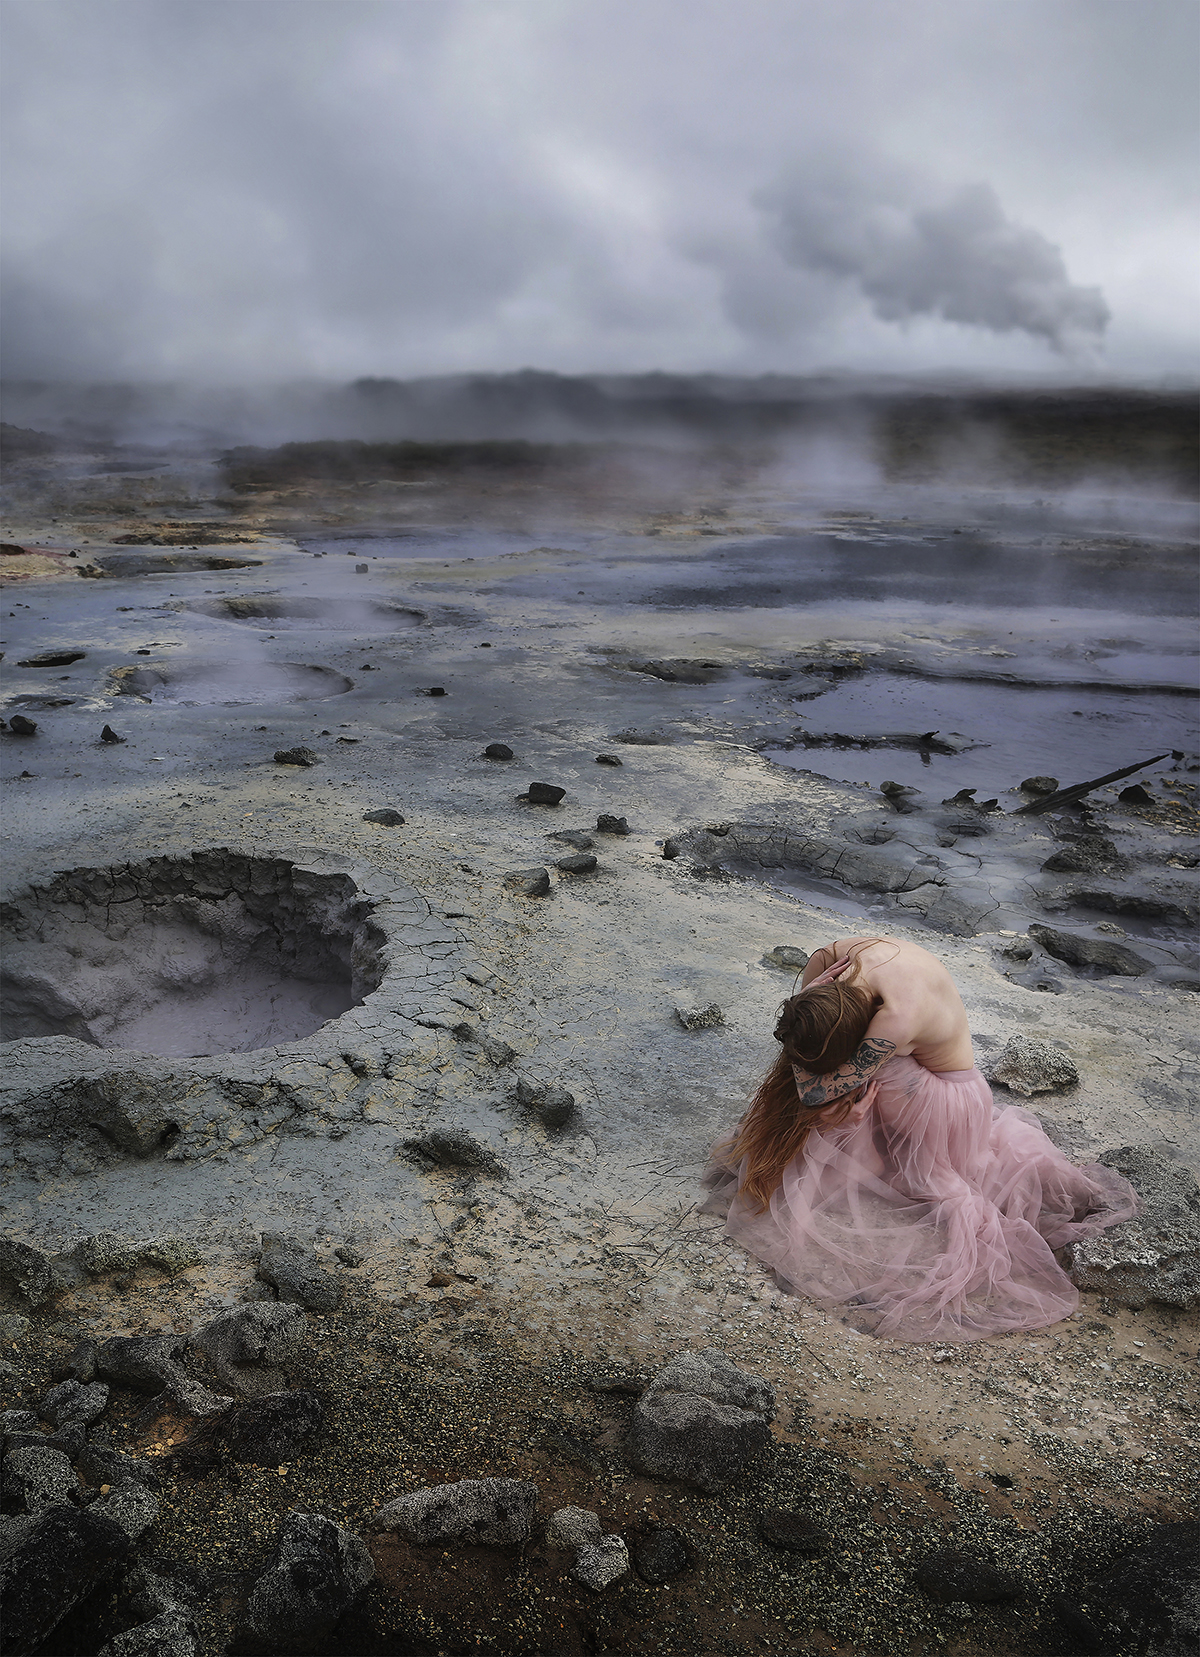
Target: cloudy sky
{"type": "Point", "coordinates": [239, 190]}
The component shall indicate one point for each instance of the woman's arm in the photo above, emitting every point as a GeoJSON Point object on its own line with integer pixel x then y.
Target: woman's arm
{"type": "Point", "coordinates": [886, 1036]}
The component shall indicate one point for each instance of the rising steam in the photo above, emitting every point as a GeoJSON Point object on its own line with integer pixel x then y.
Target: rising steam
{"type": "Point", "coordinates": [916, 253]}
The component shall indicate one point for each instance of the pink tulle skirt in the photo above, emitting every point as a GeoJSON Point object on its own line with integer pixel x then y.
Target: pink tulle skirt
{"type": "Point", "coordinates": [935, 1218]}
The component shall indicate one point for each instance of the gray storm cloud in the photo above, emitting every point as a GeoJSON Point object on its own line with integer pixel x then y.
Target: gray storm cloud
{"type": "Point", "coordinates": [959, 258]}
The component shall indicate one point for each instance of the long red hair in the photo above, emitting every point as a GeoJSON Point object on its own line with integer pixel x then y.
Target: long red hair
{"type": "Point", "coordinates": [818, 1029]}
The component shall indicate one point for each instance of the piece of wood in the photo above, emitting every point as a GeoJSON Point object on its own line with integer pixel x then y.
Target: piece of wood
{"type": "Point", "coordinates": [1064, 796]}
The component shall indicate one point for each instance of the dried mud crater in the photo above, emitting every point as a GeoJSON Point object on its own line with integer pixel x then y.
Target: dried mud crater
{"type": "Point", "coordinates": [230, 684]}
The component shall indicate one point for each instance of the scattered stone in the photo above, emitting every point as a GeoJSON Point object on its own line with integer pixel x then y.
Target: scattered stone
{"type": "Point", "coordinates": [793, 1533]}
{"type": "Point", "coordinates": [573, 837]}
{"type": "Point", "coordinates": [269, 1430]}
{"type": "Point", "coordinates": [897, 790]}
{"type": "Point", "coordinates": [950, 1577]}
{"type": "Point", "coordinates": [1135, 794]}
{"type": "Point", "coordinates": [106, 1251]}
{"type": "Point", "coordinates": [498, 750]}
{"type": "Point", "coordinates": [554, 1105]}
{"type": "Point", "coordinates": [1095, 953]}
{"type": "Point", "coordinates": [672, 848]}
{"type": "Point", "coordinates": [349, 1256]}
{"type": "Point", "coordinates": [20, 726]}
{"type": "Point", "coordinates": [1086, 855]}
{"type": "Point", "coordinates": [786, 956]}
{"type": "Point", "coordinates": [660, 1555]}
{"type": "Point", "coordinates": [1039, 785]}
{"type": "Point", "coordinates": [318, 1573]}
{"type": "Point", "coordinates": [531, 883]}
{"type": "Point", "coordinates": [608, 759]}
{"type": "Point", "coordinates": [601, 1563]}
{"type": "Point", "coordinates": [572, 1527]}
{"type": "Point", "coordinates": [1027, 1066]}
{"type": "Point", "coordinates": [455, 1148]}
{"type": "Point", "coordinates": [606, 823]}
{"type": "Point", "coordinates": [544, 793]}
{"type": "Point", "coordinates": [142, 1363]}
{"type": "Point", "coordinates": [579, 863]}
{"type": "Point", "coordinates": [13, 1326]}
{"type": "Point", "coordinates": [436, 690]}
{"type": "Point", "coordinates": [700, 1018]}
{"type": "Point", "coordinates": [494, 1512]}
{"type": "Point", "coordinates": [296, 756]}
{"type": "Point", "coordinates": [50, 1566]}
{"type": "Point", "coordinates": [69, 1402]}
{"type": "Point", "coordinates": [247, 1345]}
{"type": "Point", "coordinates": [288, 1266]}
{"type": "Point", "coordinates": [1156, 1255]}
{"type": "Point", "coordinates": [701, 1421]}
{"type": "Point", "coordinates": [37, 1476]}
{"type": "Point", "coordinates": [386, 817]}
{"type": "Point", "coordinates": [109, 735]}
{"type": "Point", "coordinates": [171, 1634]}
{"type": "Point", "coordinates": [130, 1504]}
{"type": "Point", "coordinates": [26, 1271]}
{"type": "Point", "coordinates": [361, 569]}
{"type": "Point", "coordinates": [100, 1464]}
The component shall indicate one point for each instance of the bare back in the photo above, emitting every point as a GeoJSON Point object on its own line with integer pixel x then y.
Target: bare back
{"type": "Point", "coordinates": [920, 1010]}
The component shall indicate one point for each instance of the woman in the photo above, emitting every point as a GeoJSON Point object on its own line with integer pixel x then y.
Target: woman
{"type": "Point", "coordinates": [873, 1170]}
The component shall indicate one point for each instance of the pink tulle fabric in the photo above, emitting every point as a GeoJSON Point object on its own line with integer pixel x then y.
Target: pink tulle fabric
{"type": "Point", "coordinates": [935, 1218]}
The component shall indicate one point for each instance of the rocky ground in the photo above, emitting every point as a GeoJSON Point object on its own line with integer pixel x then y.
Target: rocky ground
{"type": "Point", "coordinates": [485, 1167]}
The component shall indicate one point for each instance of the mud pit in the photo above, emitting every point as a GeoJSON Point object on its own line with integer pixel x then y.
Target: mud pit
{"type": "Point", "coordinates": [228, 684]}
{"type": "Point", "coordinates": [348, 614]}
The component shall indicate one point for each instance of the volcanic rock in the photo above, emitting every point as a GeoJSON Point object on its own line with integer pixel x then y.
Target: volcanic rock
{"type": "Point", "coordinates": [1135, 794]}
{"type": "Point", "coordinates": [455, 1148]}
{"type": "Point", "coordinates": [531, 883]}
{"type": "Point", "coordinates": [608, 759]}
{"type": "Point", "coordinates": [385, 816]}
{"type": "Point", "coordinates": [109, 735]}
{"type": "Point", "coordinates": [1027, 1066]}
{"type": "Point", "coordinates": [37, 1476]}
{"type": "Point", "coordinates": [494, 1512]}
{"type": "Point", "coordinates": [1095, 953]}
{"type": "Point", "coordinates": [26, 1271]}
{"type": "Point", "coordinates": [319, 1571]}
{"type": "Point", "coordinates": [288, 1266]}
{"type": "Point", "coordinates": [69, 1402]}
{"type": "Point", "coordinates": [100, 1464]}
{"type": "Point", "coordinates": [573, 837]}
{"type": "Point", "coordinates": [130, 1504]}
{"type": "Point", "coordinates": [661, 1555]}
{"type": "Point", "coordinates": [269, 1430]}
{"type": "Point", "coordinates": [950, 1576]}
{"type": "Point", "coordinates": [1156, 1255]}
{"type": "Point", "coordinates": [700, 1018]}
{"type": "Point", "coordinates": [601, 1562]}
{"type": "Point", "coordinates": [170, 1634]}
{"type": "Point", "coordinates": [793, 1533]}
{"type": "Point", "coordinates": [142, 1363]}
{"type": "Point", "coordinates": [50, 1566]}
{"type": "Point", "coordinates": [1084, 855]}
{"type": "Point", "coordinates": [572, 1527]}
{"type": "Point", "coordinates": [20, 726]}
{"type": "Point", "coordinates": [579, 863]}
{"type": "Point", "coordinates": [498, 750]}
{"type": "Point", "coordinates": [702, 1421]}
{"type": "Point", "coordinates": [247, 1345]}
{"type": "Point", "coordinates": [606, 823]}
{"type": "Point", "coordinates": [554, 1105]}
{"type": "Point", "coordinates": [544, 793]}
{"type": "Point", "coordinates": [787, 957]}
{"type": "Point", "coordinates": [296, 756]}
{"type": "Point", "coordinates": [1039, 785]}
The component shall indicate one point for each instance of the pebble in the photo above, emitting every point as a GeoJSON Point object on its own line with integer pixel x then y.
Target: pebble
{"type": "Point", "coordinates": [498, 750]}
{"type": "Point", "coordinates": [700, 1018]}
{"type": "Point", "coordinates": [296, 756]}
{"type": "Point", "coordinates": [608, 759]}
{"type": "Point", "coordinates": [386, 816]}
{"type": "Point", "coordinates": [579, 863]}
{"type": "Point", "coordinates": [544, 793]}
{"type": "Point", "coordinates": [20, 726]}
{"type": "Point", "coordinates": [531, 883]}
{"type": "Point", "coordinates": [109, 735]}
{"type": "Point", "coordinates": [606, 823]}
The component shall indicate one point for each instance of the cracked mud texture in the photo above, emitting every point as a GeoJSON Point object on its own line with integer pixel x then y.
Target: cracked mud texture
{"type": "Point", "coordinates": [486, 1300]}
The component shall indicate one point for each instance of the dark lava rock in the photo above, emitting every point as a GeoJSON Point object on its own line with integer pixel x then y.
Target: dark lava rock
{"type": "Point", "coordinates": [554, 1105]}
{"type": "Point", "coordinates": [49, 1566]}
{"type": "Point", "coordinates": [37, 1476]}
{"type": "Point", "coordinates": [53, 658]}
{"type": "Point", "coordinates": [786, 956]}
{"type": "Point", "coordinates": [608, 759]}
{"type": "Point", "coordinates": [70, 1403]}
{"type": "Point", "coordinates": [793, 1533]}
{"type": "Point", "coordinates": [701, 1421]}
{"type": "Point", "coordinates": [20, 726]}
{"type": "Point", "coordinates": [1095, 953]}
{"type": "Point", "coordinates": [1039, 785]}
{"type": "Point", "coordinates": [606, 823]}
{"type": "Point", "coordinates": [1156, 1255]}
{"type": "Point", "coordinates": [288, 1266]}
{"type": "Point", "coordinates": [660, 1555]}
{"type": "Point", "coordinates": [436, 690]}
{"type": "Point", "coordinates": [109, 735]}
{"type": "Point", "coordinates": [246, 1340]}
{"type": "Point", "coordinates": [579, 863]}
{"type": "Point", "coordinates": [1135, 794]}
{"type": "Point", "coordinates": [143, 1363]}
{"type": "Point", "coordinates": [494, 1512]}
{"type": "Point", "coordinates": [26, 1272]}
{"type": "Point", "coordinates": [170, 1634]}
{"type": "Point", "coordinates": [270, 1430]}
{"type": "Point", "coordinates": [531, 883]}
{"type": "Point", "coordinates": [1084, 855]}
{"type": "Point", "coordinates": [950, 1576]}
{"type": "Point", "coordinates": [296, 756]}
{"type": "Point", "coordinates": [544, 793]}
{"type": "Point", "coordinates": [385, 816]}
{"type": "Point", "coordinates": [672, 849]}
{"type": "Point", "coordinates": [454, 1148]}
{"type": "Point", "coordinates": [349, 1256]}
{"type": "Point", "coordinates": [1155, 1589]}
{"type": "Point", "coordinates": [573, 837]}
{"type": "Point", "coordinates": [130, 1504]}
{"type": "Point", "coordinates": [100, 1464]}
{"type": "Point", "coordinates": [319, 1571]}
{"type": "Point", "coordinates": [498, 750]}
{"type": "Point", "coordinates": [1027, 1066]}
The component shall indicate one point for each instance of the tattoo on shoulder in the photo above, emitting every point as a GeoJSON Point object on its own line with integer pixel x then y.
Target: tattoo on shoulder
{"type": "Point", "coordinates": [870, 1054]}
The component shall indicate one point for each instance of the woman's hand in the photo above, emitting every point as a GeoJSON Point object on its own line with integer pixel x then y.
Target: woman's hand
{"type": "Point", "coordinates": [863, 1103]}
{"type": "Point", "coordinates": [830, 973]}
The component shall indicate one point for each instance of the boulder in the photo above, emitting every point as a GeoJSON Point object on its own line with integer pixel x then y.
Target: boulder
{"type": "Point", "coordinates": [170, 1634]}
{"type": "Point", "coordinates": [26, 1272]}
{"type": "Point", "coordinates": [106, 1251]}
{"type": "Point", "coordinates": [608, 759]}
{"type": "Point", "coordinates": [601, 1563]}
{"type": "Point", "coordinates": [572, 1527]}
{"type": "Point", "coordinates": [130, 1504]}
{"type": "Point", "coordinates": [248, 1345]}
{"type": "Point", "coordinates": [69, 1402]}
{"type": "Point", "coordinates": [38, 1476]}
{"type": "Point", "coordinates": [100, 1464]}
{"type": "Point", "coordinates": [952, 1577]}
{"type": "Point", "coordinates": [49, 1566]}
{"type": "Point", "coordinates": [1039, 785]}
{"type": "Point", "coordinates": [268, 1431]}
{"type": "Point", "coordinates": [1156, 1255]}
{"type": "Point", "coordinates": [496, 1512]}
{"type": "Point", "coordinates": [498, 750]}
{"type": "Point", "coordinates": [553, 1105]}
{"type": "Point", "coordinates": [1027, 1066]}
{"type": "Point", "coordinates": [289, 1267]}
{"type": "Point", "coordinates": [702, 1421]}
{"type": "Point", "coordinates": [660, 1555]}
{"type": "Point", "coordinates": [20, 726]}
{"type": "Point", "coordinates": [1096, 954]}
{"type": "Point", "coordinates": [141, 1363]}
{"type": "Point", "coordinates": [530, 883]}
{"type": "Point", "coordinates": [318, 1573]}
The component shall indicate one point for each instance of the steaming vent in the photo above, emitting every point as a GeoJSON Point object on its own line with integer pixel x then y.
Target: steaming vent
{"type": "Point", "coordinates": [229, 684]}
{"type": "Point", "coordinates": [187, 956]}
{"type": "Point", "coordinates": [350, 614]}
